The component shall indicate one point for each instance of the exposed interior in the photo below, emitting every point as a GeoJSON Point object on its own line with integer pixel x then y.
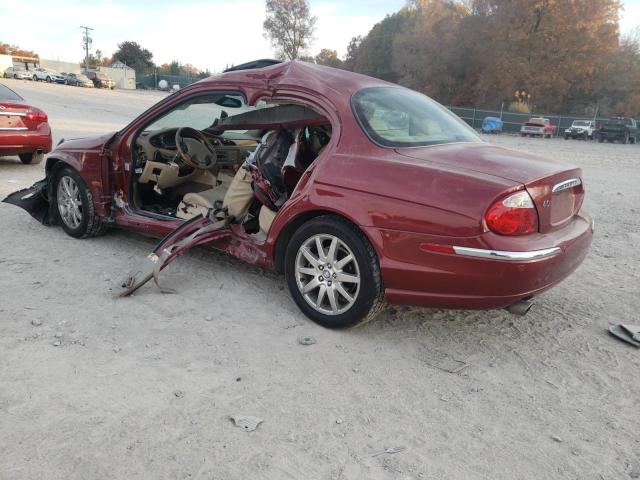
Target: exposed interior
{"type": "Point", "coordinates": [215, 152]}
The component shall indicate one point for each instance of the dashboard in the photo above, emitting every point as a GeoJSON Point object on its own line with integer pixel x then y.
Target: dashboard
{"type": "Point", "coordinates": [157, 158]}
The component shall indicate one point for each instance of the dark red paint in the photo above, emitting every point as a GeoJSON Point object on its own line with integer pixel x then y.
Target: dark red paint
{"type": "Point", "coordinates": [402, 199]}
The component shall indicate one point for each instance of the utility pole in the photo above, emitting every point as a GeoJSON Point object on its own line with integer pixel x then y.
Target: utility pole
{"type": "Point", "coordinates": [87, 41]}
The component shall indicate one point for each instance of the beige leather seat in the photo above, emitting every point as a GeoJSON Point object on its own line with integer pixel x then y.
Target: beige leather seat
{"type": "Point", "coordinates": [236, 198]}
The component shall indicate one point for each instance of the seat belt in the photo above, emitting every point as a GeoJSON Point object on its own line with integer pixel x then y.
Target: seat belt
{"type": "Point", "coordinates": [197, 231]}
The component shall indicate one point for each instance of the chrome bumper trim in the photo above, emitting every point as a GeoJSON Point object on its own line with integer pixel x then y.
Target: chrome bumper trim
{"type": "Point", "coordinates": [510, 256]}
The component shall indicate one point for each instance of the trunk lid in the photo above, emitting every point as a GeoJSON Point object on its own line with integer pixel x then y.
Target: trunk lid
{"type": "Point", "coordinates": [13, 116]}
{"type": "Point", "coordinates": [540, 177]}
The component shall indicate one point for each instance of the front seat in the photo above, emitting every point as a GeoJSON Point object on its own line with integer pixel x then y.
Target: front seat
{"type": "Point", "coordinates": [236, 198]}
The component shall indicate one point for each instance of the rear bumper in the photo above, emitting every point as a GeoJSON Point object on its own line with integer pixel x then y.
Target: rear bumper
{"type": "Point", "coordinates": [477, 277]}
{"type": "Point", "coordinates": [17, 142]}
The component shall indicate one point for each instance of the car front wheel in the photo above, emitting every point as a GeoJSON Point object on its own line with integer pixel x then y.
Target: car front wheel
{"type": "Point", "coordinates": [74, 205]}
{"type": "Point", "coordinates": [332, 273]}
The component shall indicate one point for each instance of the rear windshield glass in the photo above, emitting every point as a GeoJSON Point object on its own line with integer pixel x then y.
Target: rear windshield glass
{"type": "Point", "coordinates": [398, 117]}
{"type": "Point", "coordinates": [8, 94]}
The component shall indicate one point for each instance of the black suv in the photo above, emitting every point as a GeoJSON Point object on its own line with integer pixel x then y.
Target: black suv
{"type": "Point", "coordinates": [619, 128]}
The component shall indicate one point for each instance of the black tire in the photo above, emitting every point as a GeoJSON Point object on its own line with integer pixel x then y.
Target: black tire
{"type": "Point", "coordinates": [632, 140]}
{"type": "Point", "coordinates": [31, 158]}
{"type": "Point", "coordinates": [625, 140]}
{"type": "Point", "coordinates": [91, 225]}
{"type": "Point", "coordinates": [48, 79]}
{"type": "Point", "coordinates": [600, 139]}
{"type": "Point", "coordinates": [566, 137]}
{"type": "Point", "coordinates": [369, 299]}
{"type": "Point", "coordinates": [35, 79]}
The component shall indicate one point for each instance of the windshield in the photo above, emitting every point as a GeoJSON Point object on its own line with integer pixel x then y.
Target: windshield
{"type": "Point", "coordinates": [8, 95]}
{"type": "Point", "coordinates": [201, 112]}
{"type": "Point", "coordinates": [580, 123]}
{"type": "Point", "coordinates": [398, 117]}
{"type": "Point", "coordinates": [101, 76]}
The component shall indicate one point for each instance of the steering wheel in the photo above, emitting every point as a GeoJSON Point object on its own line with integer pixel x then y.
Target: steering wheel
{"type": "Point", "coordinates": [195, 149]}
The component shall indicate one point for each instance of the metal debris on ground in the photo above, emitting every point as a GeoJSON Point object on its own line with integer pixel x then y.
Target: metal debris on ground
{"type": "Point", "coordinates": [305, 340]}
{"type": "Point", "coordinates": [246, 422]}
{"type": "Point", "coordinates": [627, 333]}
{"type": "Point", "coordinates": [390, 451]}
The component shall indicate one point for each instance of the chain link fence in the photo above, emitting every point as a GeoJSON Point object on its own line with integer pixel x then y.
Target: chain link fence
{"type": "Point", "coordinates": [513, 121]}
{"type": "Point", "coordinates": [152, 81]}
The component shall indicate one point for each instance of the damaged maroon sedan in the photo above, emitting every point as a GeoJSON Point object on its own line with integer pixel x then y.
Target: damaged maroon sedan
{"type": "Point", "coordinates": [362, 192]}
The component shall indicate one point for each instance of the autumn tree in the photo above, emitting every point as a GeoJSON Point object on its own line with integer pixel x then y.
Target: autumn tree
{"type": "Point", "coordinates": [6, 49]}
{"type": "Point", "coordinates": [134, 56]}
{"type": "Point", "coordinates": [289, 27]}
{"type": "Point", "coordinates": [373, 55]}
{"type": "Point", "coordinates": [328, 58]}
{"type": "Point", "coordinates": [479, 52]}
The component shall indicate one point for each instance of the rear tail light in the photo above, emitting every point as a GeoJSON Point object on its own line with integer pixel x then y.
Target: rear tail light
{"type": "Point", "coordinates": [514, 214]}
{"type": "Point", "coordinates": [35, 117]}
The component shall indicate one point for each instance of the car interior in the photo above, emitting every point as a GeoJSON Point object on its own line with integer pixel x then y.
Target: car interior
{"type": "Point", "coordinates": [213, 152]}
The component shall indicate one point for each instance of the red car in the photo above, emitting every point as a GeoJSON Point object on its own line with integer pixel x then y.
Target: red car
{"type": "Point", "coordinates": [538, 127]}
{"type": "Point", "coordinates": [360, 191]}
{"type": "Point", "coordinates": [24, 130]}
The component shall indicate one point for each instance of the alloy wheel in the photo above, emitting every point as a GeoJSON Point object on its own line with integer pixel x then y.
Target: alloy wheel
{"type": "Point", "coordinates": [327, 274]}
{"type": "Point", "coordinates": [69, 202]}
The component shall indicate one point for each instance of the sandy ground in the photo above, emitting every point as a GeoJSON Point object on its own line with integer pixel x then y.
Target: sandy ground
{"type": "Point", "coordinates": [142, 388]}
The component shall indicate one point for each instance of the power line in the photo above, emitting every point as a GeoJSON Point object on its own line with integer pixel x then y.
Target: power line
{"type": "Point", "coordinates": [87, 41]}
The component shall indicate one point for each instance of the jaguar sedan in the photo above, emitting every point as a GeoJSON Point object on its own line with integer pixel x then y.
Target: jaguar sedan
{"type": "Point", "coordinates": [361, 192]}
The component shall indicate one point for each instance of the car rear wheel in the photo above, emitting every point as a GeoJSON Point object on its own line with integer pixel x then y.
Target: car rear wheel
{"type": "Point", "coordinates": [31, 158]}
{"type": "Point", "coordinates": [332, 273]}
{"type": "Point", "coordinates": [74, 205]}
{"type": "Point", "coordinates": [35, 79]}
{"type": "Point", "coordinates": [48, 79]}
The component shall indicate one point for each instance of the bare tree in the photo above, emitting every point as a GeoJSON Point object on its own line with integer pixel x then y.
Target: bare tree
{"type": "Point", "coordinates": [289, 27]}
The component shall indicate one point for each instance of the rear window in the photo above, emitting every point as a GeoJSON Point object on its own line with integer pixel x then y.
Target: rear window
{"type": "Point", "coordinates": [8, 95]}
{"type": "Point", "coordinates": [398, 117]}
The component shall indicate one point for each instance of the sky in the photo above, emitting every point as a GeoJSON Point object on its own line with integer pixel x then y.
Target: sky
{"type": "Point", "coordinates": [206, 33]}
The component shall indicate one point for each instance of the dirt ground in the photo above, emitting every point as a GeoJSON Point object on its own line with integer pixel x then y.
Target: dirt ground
{"type": "Point", "coordinates": [143, 387]}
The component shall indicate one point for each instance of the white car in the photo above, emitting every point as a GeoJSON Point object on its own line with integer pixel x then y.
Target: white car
{"type": "Point", "coordinates": [47, 75]}
{"type": "Point", "coordinates": [17, 73]}
{"type": "Point", "coordinates": [580, 129]}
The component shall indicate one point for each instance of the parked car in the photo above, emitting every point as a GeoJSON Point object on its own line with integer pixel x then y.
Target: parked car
{"type": "Point", "coordinates": [619, 128]}
{"type": "Point", "coordinates": [78, 80]}
{"type": "Point", "coordinates": [582, 129]}
{"type": "Point", "coordinates": [24, 130]}
{"type": "Point", "coordinates": [100, 80]}
{"type": "Point", "coordinates": [46, 75]}
{"type": "Point", "coordinates": [17, 73]}
{"type": "Point", "coordinates": [295, 167]}
{"type": "Point", "coordinates": [538, 127]}
{"type": "Point", "coordinates": [492, 125]}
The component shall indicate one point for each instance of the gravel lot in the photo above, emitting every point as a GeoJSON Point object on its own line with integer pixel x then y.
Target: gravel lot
{"type": "Point", "coordinates": [143, 387]}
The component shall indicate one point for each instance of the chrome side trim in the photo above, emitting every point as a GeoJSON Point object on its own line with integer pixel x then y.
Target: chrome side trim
{"type": "Point", "coordinates": [13, 129]}
{"type": "Point", "coordinates": [13, 114]}
{"type": "Point", "coordinates": [566, 185]}
{"type": "Point", "coordinates": [510, 256]}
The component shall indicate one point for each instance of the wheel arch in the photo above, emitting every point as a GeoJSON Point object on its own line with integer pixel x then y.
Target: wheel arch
{"type": "Point", "coordinates": [290, 228]}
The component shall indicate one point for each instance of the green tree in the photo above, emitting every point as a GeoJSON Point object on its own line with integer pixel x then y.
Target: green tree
{"type": "Point", "coordinates": [134, 56]}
